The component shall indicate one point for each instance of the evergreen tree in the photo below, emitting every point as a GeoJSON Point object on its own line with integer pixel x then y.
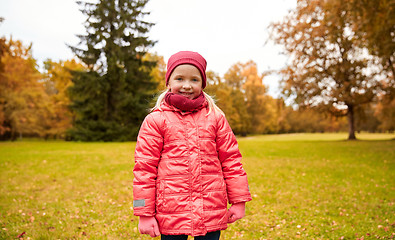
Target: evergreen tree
{"type": "Point", "coordinates": [111, 98]}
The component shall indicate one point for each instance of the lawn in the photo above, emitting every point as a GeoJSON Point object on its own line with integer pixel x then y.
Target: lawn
{"type": "Point", "coordinates": [304, 186]}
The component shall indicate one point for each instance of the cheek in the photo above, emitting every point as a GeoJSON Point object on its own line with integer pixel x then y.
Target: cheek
{"type": "Point", "coordinates": [171, 86]}
{"type": "Point", "coordinates": [198, 87]}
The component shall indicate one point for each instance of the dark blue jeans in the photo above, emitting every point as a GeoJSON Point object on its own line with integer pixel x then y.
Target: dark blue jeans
{"type": "Point", "coordinates": [208, 236]}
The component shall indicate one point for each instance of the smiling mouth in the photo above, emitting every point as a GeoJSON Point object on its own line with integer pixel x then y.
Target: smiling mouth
{"type": "Point", "coordinates": [188, 95]}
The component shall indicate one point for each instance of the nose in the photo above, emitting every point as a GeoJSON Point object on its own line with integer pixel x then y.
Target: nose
{"type": "Point", "coordinates": [186, 85]}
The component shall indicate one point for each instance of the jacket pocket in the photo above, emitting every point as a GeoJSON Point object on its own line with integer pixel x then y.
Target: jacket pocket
{"type": "Point", "coordinates": [175, 203]}
{"type": "Point", "coordinates": [173, 195]}
{"type": "Point", "coordinates": [214, 200]}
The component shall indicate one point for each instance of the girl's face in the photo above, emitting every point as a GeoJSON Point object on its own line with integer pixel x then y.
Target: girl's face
{"type": "Point", "coordinates": [186, 81]}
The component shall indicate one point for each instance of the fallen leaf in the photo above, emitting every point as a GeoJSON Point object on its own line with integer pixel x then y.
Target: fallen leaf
{"type": "Point", "coordinates": [21, 235]}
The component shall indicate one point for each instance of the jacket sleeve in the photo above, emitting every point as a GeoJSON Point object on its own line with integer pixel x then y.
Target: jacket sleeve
{"type": "Point", "coordinates": [230, 157]}
{"type": "Point", "coordinates": [147, 154]}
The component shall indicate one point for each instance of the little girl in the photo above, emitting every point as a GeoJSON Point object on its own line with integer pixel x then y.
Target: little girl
{"type": "Point", "coordinates": [187, 161]}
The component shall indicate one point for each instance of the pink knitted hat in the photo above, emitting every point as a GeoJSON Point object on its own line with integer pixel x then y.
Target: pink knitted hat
{"type": "Point", "coordinates": [187, 57]}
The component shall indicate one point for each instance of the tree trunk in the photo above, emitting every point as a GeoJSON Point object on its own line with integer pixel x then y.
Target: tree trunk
{"type": "Point", "coordinates": [391, 67]}
{"type": "Point", "coordinates": [350, 117]}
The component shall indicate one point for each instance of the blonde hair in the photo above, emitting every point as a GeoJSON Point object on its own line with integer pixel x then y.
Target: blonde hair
{"type": "Point", "coordinates": [210, 100]}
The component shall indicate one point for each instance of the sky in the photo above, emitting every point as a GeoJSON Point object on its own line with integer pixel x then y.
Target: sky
{"type": "Point", "coordinates": [223, 31]}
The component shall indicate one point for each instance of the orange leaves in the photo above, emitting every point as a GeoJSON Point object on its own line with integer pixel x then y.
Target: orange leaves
{"type": "Point", "coordinates": [57, 81]}
{"type": "Point", "coordinates": [32, 104]}
{"type": "Point", "coordinates": [21, 93]}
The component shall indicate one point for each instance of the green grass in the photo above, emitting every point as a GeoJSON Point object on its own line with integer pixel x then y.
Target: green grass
{"type": "Point", "coordinates": [304, 186]}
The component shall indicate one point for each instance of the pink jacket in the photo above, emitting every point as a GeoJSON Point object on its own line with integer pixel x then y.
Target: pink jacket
{"type": "Point", "coordinates": [187, 167]}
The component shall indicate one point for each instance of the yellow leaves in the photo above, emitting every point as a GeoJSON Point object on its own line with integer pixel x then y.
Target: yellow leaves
{"type": "Point", "coordinates": [57, 81]}
{"type": "Point", "coordinates": [19, 69]}
{"type": "Point", "coordinates": [23, 96]}
{"type": "Point", "coordinates": [233, 76]}
{"type": "Point", "coordinates": [158, 72]}
{"type": "Point", "coordinates": [26, 107]}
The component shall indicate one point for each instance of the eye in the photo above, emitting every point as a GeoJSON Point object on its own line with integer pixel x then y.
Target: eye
{"type": "Point", "coordinates": [179, 78]}
{"type": "Point", "coordinates": [195, 80]}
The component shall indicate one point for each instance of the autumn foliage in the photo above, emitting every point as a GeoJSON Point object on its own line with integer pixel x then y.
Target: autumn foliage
{"type": "Point", "coordinates": [37, 104]}
{"type": "Point", "coordinates": [243, 97]}
{"type": "Point", "coordinates": [339, 77]}
{"type": "Point", "coordinates": [32, 104]}
{"type": "Point", "coordinates": [330, 68]}
{"type": "Point", "coordinates": [24, 104]}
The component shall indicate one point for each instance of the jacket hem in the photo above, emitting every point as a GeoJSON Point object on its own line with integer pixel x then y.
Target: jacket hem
{"type": "Point", "coordinates": [188, 232]}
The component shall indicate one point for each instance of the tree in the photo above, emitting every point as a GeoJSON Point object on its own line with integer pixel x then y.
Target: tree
{"type": "Point", "coordinates": [366, 119]}
{"type": "Point", "coordinates": [257, 111]}
{"type": "Point", "coordinates": [157, 75]}
{"type": "Point", "coordinates": [239, 117]}
{"type": "Point", "coordinates": [328, 67]}
{"type": "Point", "coordinates": [385, 113]}
{"type": "Point", "coordinates": [309, 120]}
{"type": "Point", "coordinates": [56, 82]}
{"type": "Point", "coordinates": [111, 98]}
{"type": "Point", "coordinates": [24, 108]}
{"type": "Point", "coordinates": [374, 22]}
{"type": "Point", "coordinates": [260, 107]}
{"type": "Point", "coordinates": [158, 72]}
{"type": "Point", "coordinates": [242, 97]}
{"type": "Point", "coordinates": [282, 110]}
{"type": "Point", "coordinates": [230, 101]}
{"type": "Point", "coordinates": [3, 49]}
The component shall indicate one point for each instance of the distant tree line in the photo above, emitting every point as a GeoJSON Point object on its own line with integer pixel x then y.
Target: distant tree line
{"type": "Point", "coordinates": [250, 110]}
{"type": "Point", "coordinates": [38, 104]}
{"type": "Point", "coordinates": [340, 77]}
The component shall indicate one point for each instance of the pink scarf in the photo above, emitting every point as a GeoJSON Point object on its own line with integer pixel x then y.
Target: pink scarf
{"type": "Point", "coordinates": [184, 103]}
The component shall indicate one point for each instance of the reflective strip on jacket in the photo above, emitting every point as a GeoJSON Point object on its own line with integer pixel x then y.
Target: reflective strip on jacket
{"type": "Point", "coordinates": [187, 167]}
